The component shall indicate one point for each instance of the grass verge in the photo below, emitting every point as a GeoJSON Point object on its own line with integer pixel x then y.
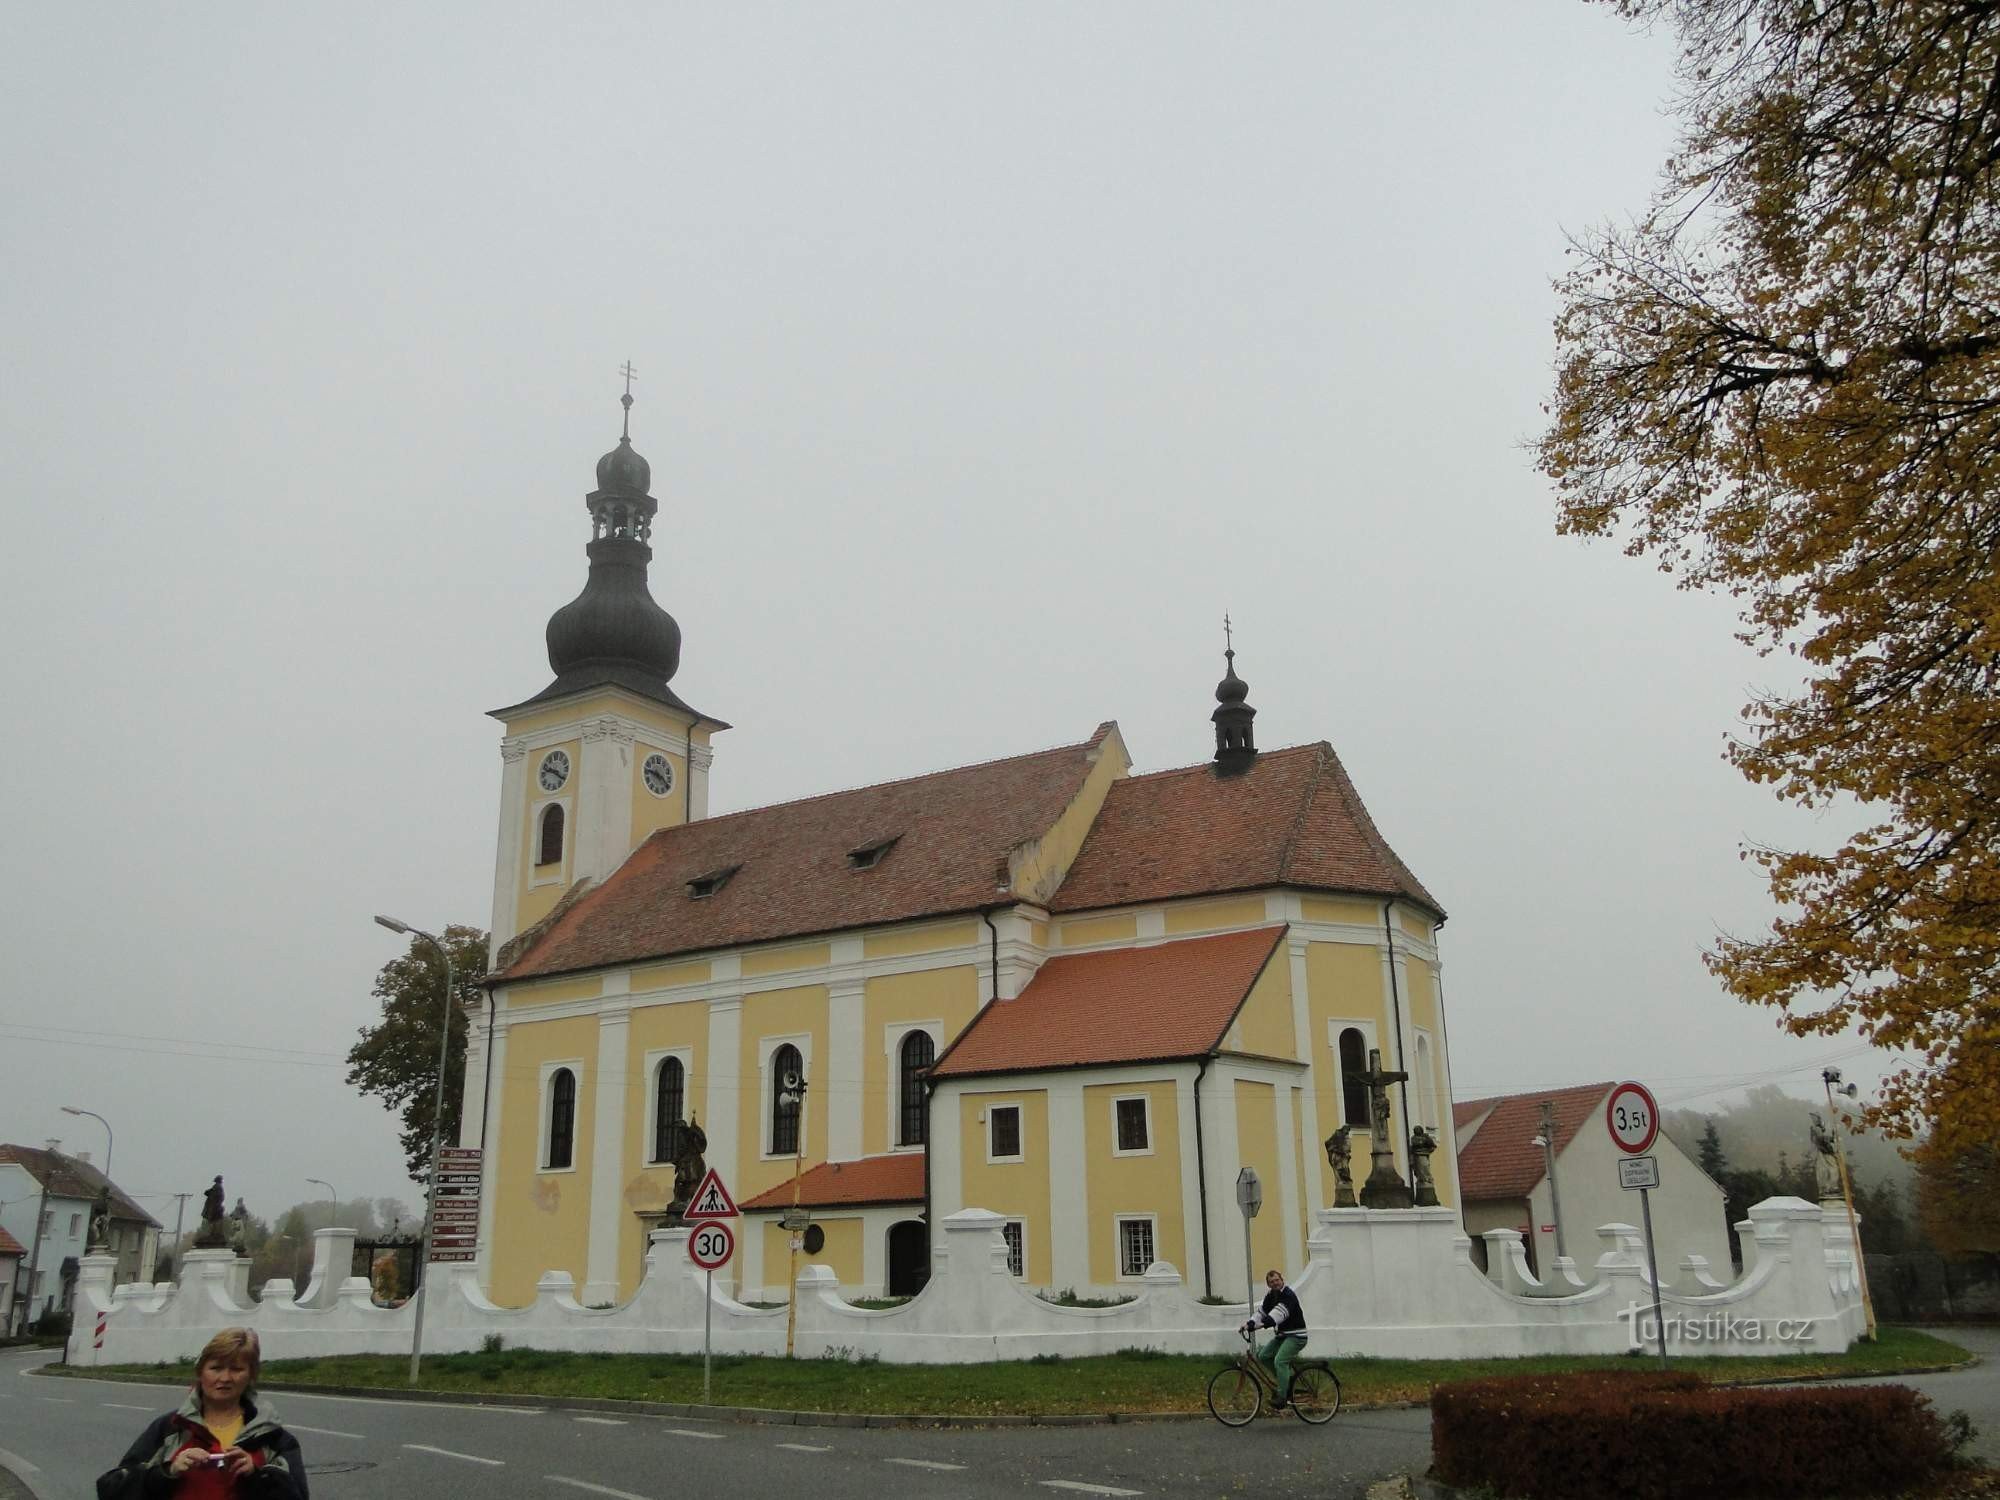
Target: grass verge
{"type": "Point", "coordinates": [1135, 1381]}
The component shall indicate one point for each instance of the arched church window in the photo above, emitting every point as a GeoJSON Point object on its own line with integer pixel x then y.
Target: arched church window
{"type": "Point", "coordinates": [918, 1052]}
{"type": "Point", "coordinates": [670, 1101]}
{"type": "Point", "coordinates": [562, 1119]}
{"type": "Point", "coordinates": [549, 848]}
{"type": "Point", "coordinates": [1353, 1092]}
{"type": "Point", "coordinates": [785, 1063]}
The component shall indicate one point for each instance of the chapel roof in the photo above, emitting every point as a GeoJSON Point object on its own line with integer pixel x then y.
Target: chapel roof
{"type": "Point", "coordinates": [1498, 1162]}
{"type": "Point", "coordinates": [897, 1178]}
{"type": "Point", "coordinates": [66, 1177]}
{"type": "Point", "coordinates": [1291, 818]}
{"type": "Point", "coordinates": [10, 1246]}
{"type": "Point", "coordinates": [1118, 1005]}
{"type": "Point", "coordinates": [785, 871]}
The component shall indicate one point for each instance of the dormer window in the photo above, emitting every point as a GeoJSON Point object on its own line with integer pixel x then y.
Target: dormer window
{"type": "Point", "coordinates": [872, 853]}
{"type": "Point", "coordinates": [703, 886]}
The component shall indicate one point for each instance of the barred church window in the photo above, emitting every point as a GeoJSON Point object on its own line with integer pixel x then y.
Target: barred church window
{"type": "Point", "coordinates": [1353, 1092]}
{"type": "Point", "coordinates": [785, 1063]}
{"type": "Point", "coordinates": [1135, 1246]}
{"type": "Point", "coordinates": [1132, 1132]}
{"type": "Point", "coordinates": [562, 1120]}
{"type": "Point", "coordinates": [1004, 1123]}
{"type": "Point", "coordinates": [1016, 1257]}
{"type": "Point", "coordinates": [669, 1102]}
{"type": "Point", "coordinates": [918, 1053]}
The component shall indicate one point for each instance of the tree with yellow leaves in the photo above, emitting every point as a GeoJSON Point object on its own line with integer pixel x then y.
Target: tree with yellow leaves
{"type": "Point", "coordinates": [1784, 382]}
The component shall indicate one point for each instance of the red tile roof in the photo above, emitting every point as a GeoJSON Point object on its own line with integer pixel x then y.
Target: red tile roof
{"type": "Point", "coordinates": [1122, 1005]}
{"type": "Point", "coordinates": [1293, 818]}
{"type": "Point", "coordinates": [66, 1177]}
{"type": "Point", "coordinates": [833, 1184]}
{"type": "Point", "coordinates": [1466, 1111]}
{"type": "Point", "coordinates": [1498, 1162]}
{"type": "Point", "coordinates": [954, 831]}
{"type": "Point", "coordinates": [11, 1246]}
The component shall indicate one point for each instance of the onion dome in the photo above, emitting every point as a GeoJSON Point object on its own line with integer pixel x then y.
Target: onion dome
{"type": "Point", "coordinates": [623, 471]}
{"type": "Point", "coordinates": [1235, 740]}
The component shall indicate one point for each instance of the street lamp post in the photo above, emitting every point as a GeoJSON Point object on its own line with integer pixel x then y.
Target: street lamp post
{"type": "Point", "coordinates": [437, 1142]}
{"type": "Point", "coordinates": [1831, 1077]}
{"type": "Point", "coordinates": [793, 1093]}
{"type": "Point", "coordinates": [70, 1109]}
{"type": "Point", "coordinates": [332, 1199]}
{"type": "Point", "coordinates": [1547, 1141]}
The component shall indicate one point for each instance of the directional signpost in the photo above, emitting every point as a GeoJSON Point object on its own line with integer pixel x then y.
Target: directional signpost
{"type": "Point", "coordinates": [709, 1246]}
{"type": "Point", "coordinates": [455, 1220]}
{"type": "Point", "coordinates": [1634, 1122]}
{"type": "Point", "coordinates": [1249, 1198]}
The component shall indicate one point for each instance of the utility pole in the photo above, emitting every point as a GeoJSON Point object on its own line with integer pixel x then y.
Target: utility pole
{"type": "Point", "coordinates": [1549, 1162]}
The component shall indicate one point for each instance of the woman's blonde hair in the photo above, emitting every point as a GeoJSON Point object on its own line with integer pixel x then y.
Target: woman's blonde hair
{"type": "Point", "coordinates": [230, 1346]}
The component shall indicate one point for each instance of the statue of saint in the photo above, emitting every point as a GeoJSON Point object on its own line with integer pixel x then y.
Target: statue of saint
{"type": "Point", "coordinates": [1422, 1144]}
{"type": "Point", "coordinates": [1340, 1156]}
{"type": "Point", "coordinates": [1826, 1162]}
{"type": "Point", "coordinates": [689, 1167]}
{"type": "Point", "coordinates": [210, 1235]}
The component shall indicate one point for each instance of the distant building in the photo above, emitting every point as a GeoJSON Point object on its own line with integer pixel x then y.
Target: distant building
{"type": "Point", "coordinates": [1504, 1182]}
{"type": "Point", "coordinates": [13, 1255]}
{"type": "Point", "coordinates": [46, 1200]}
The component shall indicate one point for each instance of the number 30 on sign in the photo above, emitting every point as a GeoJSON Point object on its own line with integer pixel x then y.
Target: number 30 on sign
{"type": "Point", "coordinates": [1632, 1117]}
{"type": "Point", "coordinates": [711, 1245]}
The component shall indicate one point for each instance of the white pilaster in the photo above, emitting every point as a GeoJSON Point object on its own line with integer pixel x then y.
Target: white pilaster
{"type": "Point", "coordinates": [1288, 1170]}
{"type": "Point", "coordinates": [603, 799]}
{"type": "Point", "coordinates": [489, 1163]}
{"type": "Point", "coordinates": [947, 1176]}
{"type": "Point", "coordinates": [1302, 1038]}
{"type": "Point", "coordinates": [845, 1106]}
{"type": "Point", "coordinates": [725, 1066]}
{"type": "Point", "coordinates": [699, 759]}
{"type": "Point", "coordinates": [507, 859]}
{"type": "Point", "coordinates": [1069, 1230]}
{"type": "Point", "coordinates": [607, 1151]}
{"type": "Point", "coordinates": [472, 1109]}
{"type": "Point", "coordinates": [1190, 1178]}
{"type": "Point", "coordinates": [1225, 1223]}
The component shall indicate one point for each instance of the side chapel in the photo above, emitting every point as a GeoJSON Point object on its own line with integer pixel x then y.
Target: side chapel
{"type": "Point", "coordinates": [1041, 985]}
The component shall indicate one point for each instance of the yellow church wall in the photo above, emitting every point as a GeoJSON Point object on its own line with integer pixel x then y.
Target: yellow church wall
{"type": "Point", "coordinates": [1414, 925]}
{"type": "Point", "coordinates": [541, 1220]}
{"type": "Point", "coordinates": [526, 993]}
{"type": "Point", "coordinates": [1264, 1024]}
{"type": "Point", "coordinates": [1038, 871]}
{"type": "Point", "coordinates": [1342, 980]}
{"type": "Point", "coordinates": [1038, 934]}
{"type": "Point", "coordinates": [1016, 1189]}
{"type": "Point", "coordinates": [1088, 930]}
{"type": "Point", "coordinates": [842, 1251]}
{"type": "Point", "coordinates": [766, 1015]}
{"type": "Point", "coordinates": [650, 813]}
{"type": "Point", "coordinates": [950, 996]}
{"type": "Point", "coordinates": [1327, 909]}
{"type": "Point", "coordinates": [1213, 916]}
{"type": "Point", "coordinates": [668, 976]}
{"type": "Point", "coordinates": [681, 1028]}
{"type": "Point", "coordinates": [1115, 1185]}
{"type": "Point", "coordinates": [762, 961]}
{"type": "Point", "coordinates": [1257, 1145]}
{"type": "Point", "coordinates": [900, 942]}
{"type": "Point", "coordinates": [1420, 994]}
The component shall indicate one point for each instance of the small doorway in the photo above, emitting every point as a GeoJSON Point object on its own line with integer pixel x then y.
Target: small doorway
{"type": "Point", "coordinates": [909, 1257]}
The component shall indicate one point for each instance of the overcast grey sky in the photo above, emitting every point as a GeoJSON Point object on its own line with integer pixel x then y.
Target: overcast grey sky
{"type": "Point", "coordinates": [987, 352]}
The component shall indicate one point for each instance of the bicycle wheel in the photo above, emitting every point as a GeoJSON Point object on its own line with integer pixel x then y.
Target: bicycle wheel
{"type": "Point", "coordinates": [1315, 1394]}
{"type": "Point", "coordinates": [1234, 1396]}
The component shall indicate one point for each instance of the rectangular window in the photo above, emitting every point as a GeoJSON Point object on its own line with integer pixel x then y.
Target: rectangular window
{"type": "Point", "coordinates": [1004, 1142]}
{"type": "Point", "coordinates": [75, 1225]}
{"type": "Point", "coordinates": [1013, 1234]}
{"type": "Point", "coordinates": [1135, 1246]}
{"type": "Point", "coordinates": [48, 1220]}
{"type": "Point", "coordinates": [1132, 1133]}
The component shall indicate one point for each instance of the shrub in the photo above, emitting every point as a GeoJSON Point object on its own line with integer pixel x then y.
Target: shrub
{"type": "Point", "coordinates": [493, 1343]}
{"type": "Point", "coordinates": [1664, 1436]}
{"type": "Point", "coordinates": [1067, 1297]}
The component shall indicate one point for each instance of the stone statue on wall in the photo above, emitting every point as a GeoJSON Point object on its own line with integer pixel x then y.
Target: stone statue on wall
{"type": "Point", "coordinates": [689, 1166]}
{"type": "Point", "coordinates": [239, 1228]}
{"type": "Point", "coordinates": [1826, 1162]}
{"type": "Point", "coordinates": [1422, 1144]}
{"type": "Point", "coordinates": [1340, 1156]}
{"type": "Point", "coordinates": [210, 1235]}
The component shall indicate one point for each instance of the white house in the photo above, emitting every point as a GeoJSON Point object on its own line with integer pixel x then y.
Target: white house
{"type": "Point", "coordinates": [46, 1200]}
{"type": "Point", "coordinates": [1504, 1181]}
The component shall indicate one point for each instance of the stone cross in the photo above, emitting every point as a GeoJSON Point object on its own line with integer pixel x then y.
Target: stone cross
{"type": "Point", "coordinates": [1385, 1187]}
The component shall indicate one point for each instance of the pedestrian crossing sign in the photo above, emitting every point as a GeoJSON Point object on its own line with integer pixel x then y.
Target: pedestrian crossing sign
{"type": "Point", "coordinates": [711, 1200]}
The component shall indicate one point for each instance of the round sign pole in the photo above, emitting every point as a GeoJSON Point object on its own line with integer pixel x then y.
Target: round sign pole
{"type": "Point", "coordinates": [709, 1245]}
{"type": "Point", "coordinates": [707, 1324]}
{"type": "Point", "coordinates": [1633, 1118]}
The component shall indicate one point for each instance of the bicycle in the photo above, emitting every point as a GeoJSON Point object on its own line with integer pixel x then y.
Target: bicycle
{"type": "Point", "coordinates": [1237, 1391]}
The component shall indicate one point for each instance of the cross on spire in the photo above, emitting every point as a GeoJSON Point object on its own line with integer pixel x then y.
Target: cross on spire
{"type": "Point", "coordinates": [1228, 641]}
{"type": "Point", "coordinates": [625, 400]}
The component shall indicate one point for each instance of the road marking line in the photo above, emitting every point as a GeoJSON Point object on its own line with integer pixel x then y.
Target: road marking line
{"type": "Point", "coordinates": [690, 1432]}
{"type": "Point", "coordinates": [127, 1406]}
{"type": "Point", "coordinates": [595, 1489]}
{"type": "Point", "coordinates": [58, 1400]}
{"type": "Point", "coordinates": [518, 1411]}
{"type": "Point", "coordinates": [325, 1431]}
{"type": "Point", "coordinates": [604, 1421]}
{"type": "Point", "coordinates": [1088, 1489]}
{"type": "Point", "coordinates": [923, 1463]}
{"type": "Point", "coordinates": [17, 1463]}
{"type": "Point", "coordinates": [471, 1458]}
{"type": "Point", "coordinates": [807, 1447]}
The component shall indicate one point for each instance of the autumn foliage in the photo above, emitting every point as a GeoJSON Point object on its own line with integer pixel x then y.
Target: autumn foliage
{"type": "Point", "coordinates": [1784, 382]}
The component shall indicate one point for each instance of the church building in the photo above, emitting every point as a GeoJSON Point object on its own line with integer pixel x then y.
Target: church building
{"type": "Point", "coordinates": [1042, 985]}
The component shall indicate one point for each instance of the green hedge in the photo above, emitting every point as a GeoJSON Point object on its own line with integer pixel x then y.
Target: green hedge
{"type": "Point", "coordinates": [1660, 1436]}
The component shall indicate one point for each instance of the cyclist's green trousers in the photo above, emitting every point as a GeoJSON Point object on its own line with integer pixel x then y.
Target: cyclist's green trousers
{"type": "Point", "coordinates": [1278, 1356]}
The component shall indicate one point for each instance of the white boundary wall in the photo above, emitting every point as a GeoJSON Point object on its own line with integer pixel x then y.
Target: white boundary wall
{"type": "Point", "coordinates": [1390, 1283]}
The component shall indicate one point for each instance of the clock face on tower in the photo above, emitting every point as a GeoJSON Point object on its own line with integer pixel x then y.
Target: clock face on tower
{"type": "Point", "coordinates": [659, 774]}
{"type": "Point", "coordinates": [555, 770]}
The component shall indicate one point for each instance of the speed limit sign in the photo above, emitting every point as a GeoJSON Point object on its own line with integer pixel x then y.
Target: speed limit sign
{"type": "Point", "coordinates": [711, 1245]}
{"type": "Point", "coordinates": [1632, 1118]}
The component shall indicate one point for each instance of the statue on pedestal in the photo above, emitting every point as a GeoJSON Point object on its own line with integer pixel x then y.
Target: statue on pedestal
{"type": "Point", "coordinates": [239, 1227]}
{"type": "Point", "coordinates": [100, 1224]}
{"type": "Point", "coordinates": [1385, 1187]}
{"type": "Point", "coordinates": [689, 1166]}
{"type": "Point", "coordinates": [1422, 1144]}
{"type": "Point", "coordinates": [210, 1235]}
{"type": "Point", "coordinates": [1826, 1163]}
{"type": "Point", "coordinates": [1339, 1155]}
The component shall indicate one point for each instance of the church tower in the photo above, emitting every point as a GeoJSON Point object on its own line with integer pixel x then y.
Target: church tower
{"type": "Point", "coordinates": [606, 753]}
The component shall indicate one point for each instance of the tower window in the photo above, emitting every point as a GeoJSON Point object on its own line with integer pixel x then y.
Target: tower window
{"type": "Point", "coordinates": [549, 844]}
{"type": "Point", "coordinates": [917, 1053]}
{"type": "Point", "coordinates": [1353, 1091]}
{"type": "Point", "coordinates": [785, 1064]}
{"type": "Point", "coordinates": [670, 1101]}
{"type": "Point", "coordinates": [562, 1120]}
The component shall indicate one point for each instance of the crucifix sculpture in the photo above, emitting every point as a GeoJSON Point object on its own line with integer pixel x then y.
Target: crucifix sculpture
{"type": "Point", "coordinates": [1385, 1187]}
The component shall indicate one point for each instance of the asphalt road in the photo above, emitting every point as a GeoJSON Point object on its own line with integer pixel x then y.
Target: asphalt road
{"type": "Point", "coordinates": [71, 1430]}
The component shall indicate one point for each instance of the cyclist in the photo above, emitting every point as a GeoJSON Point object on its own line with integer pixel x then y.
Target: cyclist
{"type": "Point", "coordinates": [1281, 1314]}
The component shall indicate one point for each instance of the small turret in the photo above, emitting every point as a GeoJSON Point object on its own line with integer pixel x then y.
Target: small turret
{"type": "Point", "coordinates": [1235, 740]}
